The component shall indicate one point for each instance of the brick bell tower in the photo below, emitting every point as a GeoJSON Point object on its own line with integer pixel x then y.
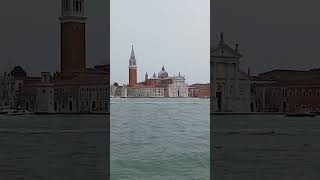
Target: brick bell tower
{"type": "Point", "coordinates": [73, 36]}
{"type": "Point", "coordinates": [132, 69]}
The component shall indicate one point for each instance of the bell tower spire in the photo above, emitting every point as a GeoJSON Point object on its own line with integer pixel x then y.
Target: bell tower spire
{"type": "Point", "coordinates": [132, 69]}
{"type": "Point", "coordinates": [132, 53]}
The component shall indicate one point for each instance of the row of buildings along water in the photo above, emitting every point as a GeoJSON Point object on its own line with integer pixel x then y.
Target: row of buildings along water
{"type": "Point", "coordinates": [279, 90]}
{"type": "Point", "coordinates": [158, 85]}
{"type": "Point", "coordinates": [75, 89]}
{"type": "Point", "coordinates": [80, 89]}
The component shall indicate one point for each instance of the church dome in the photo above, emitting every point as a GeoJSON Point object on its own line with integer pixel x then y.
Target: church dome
{"type": "Point", "coordinates": [163, 73]}
{"type": "Point", "coordinates": [180, 77]}
{"type": "Point", "coordinates": [18, 71]}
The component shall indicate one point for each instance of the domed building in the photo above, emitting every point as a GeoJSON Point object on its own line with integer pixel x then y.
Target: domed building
{"type": "Point", "coordinates": [162, 85]}
{"type": "Point", "coordinates": [163, 73]}
{"type": "Point", "coordinates": [18, 71]}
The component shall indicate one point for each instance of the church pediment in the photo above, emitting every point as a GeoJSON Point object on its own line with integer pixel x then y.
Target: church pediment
{"type": "Point", "coordinates": [223, 50]}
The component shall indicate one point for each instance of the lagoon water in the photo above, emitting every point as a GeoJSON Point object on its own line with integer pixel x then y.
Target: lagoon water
{"type": "Point", "coordinates": [53, 147]}
{"type": "Point", "coordinates": [266, 147]}
{"type": "Point", "coordinates": [160, 139]}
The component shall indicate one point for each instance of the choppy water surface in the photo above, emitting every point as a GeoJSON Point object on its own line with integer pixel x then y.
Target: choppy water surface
{"type": "Point", "coordinates": [266, 147]}
{"type": "Point", "coordinates": [160, 139]}
{"type": "Point", "coordinates": [53, 147]}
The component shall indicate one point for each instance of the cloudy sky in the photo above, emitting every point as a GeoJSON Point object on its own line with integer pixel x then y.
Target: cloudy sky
{"type": "Point", "coordinates": [30, 34]}
{"type": "Point", "coordinates": [173, 33]}
{"type": "Point", "coordinates": [272, 34]}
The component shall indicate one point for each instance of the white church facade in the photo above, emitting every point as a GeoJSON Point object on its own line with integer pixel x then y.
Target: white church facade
{"type": "Point", "coordinates": [230, 87]}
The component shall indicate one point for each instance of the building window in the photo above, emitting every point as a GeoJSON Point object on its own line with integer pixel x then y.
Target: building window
{"type": "Point", "coordinates": [70, 105]}
{"type": "Point", "coordinates": [43, 91]}
{"type": "Point", "coordinates": [93, 105]}
{"type": "Point", "coordinates": [77, 6]}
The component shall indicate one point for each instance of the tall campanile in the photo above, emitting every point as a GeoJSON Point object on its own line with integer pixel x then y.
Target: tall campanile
{"type": "Point", "coordinates": [132, 69]}
{"type": "Point", "coordinates": [73, 36]}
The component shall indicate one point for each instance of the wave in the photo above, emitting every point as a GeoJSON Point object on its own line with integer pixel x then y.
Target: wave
{"type": "Point", "coordinates": [47, 131]}
{"type": "Point", "coordinates": [254, 132]}
{"type": "Point", "coordinates": [159, 102]}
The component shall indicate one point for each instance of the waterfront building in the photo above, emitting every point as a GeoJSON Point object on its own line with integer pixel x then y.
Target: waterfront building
{"type": "Point", "coordinates": [161, 85]}
{"type": "Point", "coordinates": [119, 91]}
{"type": "Point", "coordinates": [230, 87]}
{"type": "Point", "coordinates": [124, 91]}
{"type": "Point", "coordinates": [113, 89]}
{"type": "Point", "coordinates": [199, 90]}
{"type": "Point", "coordinates": [7, 89]}
{"type": "Point", "coordinates": [145, 91]}
{"type": "Point", "coordinates": [76, 89]}
{"type": "Point", "coordinates": [287, 91]}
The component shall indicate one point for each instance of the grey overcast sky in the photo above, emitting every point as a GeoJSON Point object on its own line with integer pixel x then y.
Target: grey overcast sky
{"type": "Point", "coordinates": [272, 34]}
{"type": "Point", "coordinates": [173, 33]}
{"type": "Point", "coordinates": [30, 34]}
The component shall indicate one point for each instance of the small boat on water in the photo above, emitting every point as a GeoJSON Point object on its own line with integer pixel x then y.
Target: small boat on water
{"type": "Point", "coordinates": [306, 114]}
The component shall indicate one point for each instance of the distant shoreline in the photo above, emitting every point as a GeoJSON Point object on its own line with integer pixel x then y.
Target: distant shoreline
{"type": "Point", "coordinates": [103, 113]}
{"type": "Point", "coordinates": [247, 113]}
{"type": "Point", "coordinates": [158, 98]}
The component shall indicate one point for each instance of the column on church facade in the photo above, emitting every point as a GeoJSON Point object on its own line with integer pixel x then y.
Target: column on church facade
{"type": "Point", "coordinates": [228, 84]}
{"type": "Point", "coordinates": [236, 79]}
{"type": "Point", "coordinates": [213, 87]}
